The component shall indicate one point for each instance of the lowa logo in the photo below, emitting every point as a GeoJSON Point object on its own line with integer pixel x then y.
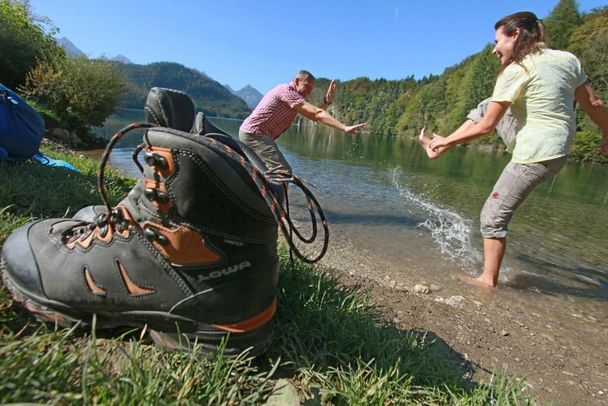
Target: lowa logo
{"type": "Point", "coordinates": [225, 271]}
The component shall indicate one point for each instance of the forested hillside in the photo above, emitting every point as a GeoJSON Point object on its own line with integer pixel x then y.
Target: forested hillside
{"type": "Point", "coordinates": [441, 102]}
{"type": "Point", "coordinates": [209, 96]}
{"type": "Point", "coordinates": [77, 93]}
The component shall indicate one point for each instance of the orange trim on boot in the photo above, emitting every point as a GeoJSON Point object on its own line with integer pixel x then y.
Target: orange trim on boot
{"type": "Point", "coordinates": [251, 323]}
{"type": "Point", "coordinates": [185, 246]}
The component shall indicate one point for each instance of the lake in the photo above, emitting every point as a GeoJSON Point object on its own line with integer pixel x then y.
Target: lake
{"type": "Point", "coordinates": [419, 219]}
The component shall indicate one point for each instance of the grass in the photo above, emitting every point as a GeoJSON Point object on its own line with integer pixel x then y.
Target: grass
{"type": "Point", "coordinates": [332, 345]}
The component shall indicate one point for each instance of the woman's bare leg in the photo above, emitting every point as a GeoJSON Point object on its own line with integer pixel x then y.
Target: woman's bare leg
{"type": "Point", "coordinates": [493, 253]}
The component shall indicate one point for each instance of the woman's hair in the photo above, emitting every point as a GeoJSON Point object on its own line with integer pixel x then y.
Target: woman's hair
{"type": "Point", "coordinates": [531, 33]}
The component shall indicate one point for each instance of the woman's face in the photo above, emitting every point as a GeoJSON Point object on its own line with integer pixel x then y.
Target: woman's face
{"type": "Point", "coordinates": [505, 44]}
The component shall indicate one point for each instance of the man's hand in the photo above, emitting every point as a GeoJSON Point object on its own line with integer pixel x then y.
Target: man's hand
{"type": "Point", "coordinates": [331, 92]}
{"type": "Point", "coordinates": [353, 129]}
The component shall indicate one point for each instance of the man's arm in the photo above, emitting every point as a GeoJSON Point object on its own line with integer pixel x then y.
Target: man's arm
{"type": "Point", "coordinates": [595, 109]}
{"type": "Point", "coordinates": [318, 114]}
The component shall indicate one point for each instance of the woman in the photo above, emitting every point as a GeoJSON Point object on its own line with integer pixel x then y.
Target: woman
{"type": "Point", "coordinates": [540, 86]}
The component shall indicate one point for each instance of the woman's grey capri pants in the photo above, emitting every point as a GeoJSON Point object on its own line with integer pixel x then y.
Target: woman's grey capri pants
{"type": "Point", "coordinates": [510, 190]}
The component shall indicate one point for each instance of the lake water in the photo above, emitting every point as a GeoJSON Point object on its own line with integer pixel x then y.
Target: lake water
{"type": "Point", "coordinates": [420, 218]}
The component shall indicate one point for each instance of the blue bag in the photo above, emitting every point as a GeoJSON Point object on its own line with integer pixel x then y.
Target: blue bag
{"type": "Point", "coordinates": [21, 127]}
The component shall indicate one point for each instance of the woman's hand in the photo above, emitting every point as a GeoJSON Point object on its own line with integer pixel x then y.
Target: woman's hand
{"type": "Point", "coordinates": [437, 142]}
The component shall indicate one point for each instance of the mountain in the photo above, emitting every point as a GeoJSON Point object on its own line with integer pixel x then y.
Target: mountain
{"type": "Point", "coordinates": [251, 96]}
{"type": "Point", "coordinates": [231, 90]}
{"type": "Point", "coordinates": [117, 58]}
{"type": "Point", "coordinates": [208, 95]}
{"type": "Point", "coordinates": [121, 58]}
{"type": "Point", "coordinates": [74, 52]}
{"type": "Point", "coordinates": [71, 49]}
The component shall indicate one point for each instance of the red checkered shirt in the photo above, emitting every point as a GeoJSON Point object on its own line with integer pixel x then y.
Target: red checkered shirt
{"type": "Point", "coordinates": [275, 112]}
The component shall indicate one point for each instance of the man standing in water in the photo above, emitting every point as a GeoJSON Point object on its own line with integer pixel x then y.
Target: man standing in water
{"type": "Point", "coordinates": [275, 113]}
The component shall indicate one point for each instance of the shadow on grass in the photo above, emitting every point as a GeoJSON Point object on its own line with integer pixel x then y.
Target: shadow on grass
{"type": "Point", "coordinates": [326, 331]}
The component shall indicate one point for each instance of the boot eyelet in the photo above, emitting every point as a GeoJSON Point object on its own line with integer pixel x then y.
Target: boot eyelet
{"type": "Point", "coordinates": [103, 231]}
{"type": "Point", "coordinates": [150, 194]}
{"type": "Point", "coordinates": [149, 158]}
{"type": "Point", "coordinates": [162, 197]}
{"type": "Point", "coordinates": [154, 235]}
{"type": "Point", "coordinates": [152, 159]}
{"type": "Point", "coordinates": [150, 234]}
{"type": "Point", "coordinates": [162, 239]}
{"type": "Point", "coordinates": [161, 162]}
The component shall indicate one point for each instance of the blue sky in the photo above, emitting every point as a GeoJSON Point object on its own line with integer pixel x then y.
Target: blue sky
{"type": "Point", "coordinates": [264, 42]}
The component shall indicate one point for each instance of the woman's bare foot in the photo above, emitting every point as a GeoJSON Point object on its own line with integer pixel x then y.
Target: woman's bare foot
{"type": "Point", "coordinates": [425, 142]}
{"type": "Point", "coordinates": [469, 280]}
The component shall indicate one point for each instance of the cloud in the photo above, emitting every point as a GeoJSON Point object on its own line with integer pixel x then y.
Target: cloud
{"type": "Point", "coordinates": [395, 19]}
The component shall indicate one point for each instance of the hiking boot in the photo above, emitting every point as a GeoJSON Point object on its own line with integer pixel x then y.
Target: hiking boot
{"type": "Point", "coordinates": [190, 252]}
{"type": "Point", "coordinates": [169, 108]}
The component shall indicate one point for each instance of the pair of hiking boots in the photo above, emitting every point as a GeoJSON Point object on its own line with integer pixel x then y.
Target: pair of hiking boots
{"type": "Point", "coordinates": [190, 253]}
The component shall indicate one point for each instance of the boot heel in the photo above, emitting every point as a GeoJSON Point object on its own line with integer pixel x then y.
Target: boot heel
{"type": "Point", "coordinates": [254, 342]}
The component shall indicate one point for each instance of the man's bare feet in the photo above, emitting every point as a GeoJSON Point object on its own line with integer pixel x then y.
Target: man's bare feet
{"type": "Point", "coordinates": [425, 142]}
{"type": "Point", "coordinates": [469, 280]}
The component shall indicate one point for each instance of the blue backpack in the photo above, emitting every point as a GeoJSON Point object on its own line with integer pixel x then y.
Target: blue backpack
{"type": "Point", "coordinates": [21, 127]}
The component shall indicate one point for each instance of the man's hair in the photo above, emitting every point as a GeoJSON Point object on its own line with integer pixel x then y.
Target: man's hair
{"type": "Point", "coordinates": [304, 74]}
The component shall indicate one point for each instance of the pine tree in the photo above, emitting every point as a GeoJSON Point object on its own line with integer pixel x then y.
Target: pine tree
{"type": "Point", "coordinates": [562, 21]}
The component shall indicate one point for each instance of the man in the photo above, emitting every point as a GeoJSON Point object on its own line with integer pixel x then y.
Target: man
{"type": "Point", "coordinates": [275, 114]}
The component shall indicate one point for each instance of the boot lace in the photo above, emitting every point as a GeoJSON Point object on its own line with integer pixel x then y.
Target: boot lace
{"type": "Point", "coordinates": [116, 221]}
{"type": "Point", "coordinates": [113, 220]}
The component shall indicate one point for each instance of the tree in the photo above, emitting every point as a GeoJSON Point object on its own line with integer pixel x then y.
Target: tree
{"type": "Point", "coordinates": [81, 92]}
{"type": "Point", "coordinates": [590, 43]}
{"type": "Point", "coordinates": [562, 21]}
{"type": "Point", "coordinates": [25, 40]}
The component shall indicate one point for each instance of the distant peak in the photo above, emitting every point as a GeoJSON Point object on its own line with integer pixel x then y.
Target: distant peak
{"type": "Point", "coordinates": [71, 49]}
{"type": "Point", "coordinates": [121, 58]}
{"type": "Point", "coordinates": [251, 96]}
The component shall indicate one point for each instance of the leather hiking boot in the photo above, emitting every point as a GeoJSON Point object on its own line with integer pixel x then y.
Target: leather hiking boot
{"type": "Point", "coordinates": [190, 252]}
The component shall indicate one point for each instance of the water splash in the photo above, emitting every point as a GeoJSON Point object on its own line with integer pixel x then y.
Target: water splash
{"type": "Point", "coordinates": [449, 230]}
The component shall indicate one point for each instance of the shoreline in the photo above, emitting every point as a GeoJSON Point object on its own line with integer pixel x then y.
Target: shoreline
{"type": "Point", "coordinates": [477, 329]}
{"type": "Point", "coordinates": [481, 331]}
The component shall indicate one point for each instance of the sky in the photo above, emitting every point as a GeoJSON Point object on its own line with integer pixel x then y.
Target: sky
{"type": "Point", "coordinates": [265, 42]}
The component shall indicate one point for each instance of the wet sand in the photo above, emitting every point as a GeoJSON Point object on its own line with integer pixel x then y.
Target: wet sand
{"type": "Point", "coordinates": [561, 364]}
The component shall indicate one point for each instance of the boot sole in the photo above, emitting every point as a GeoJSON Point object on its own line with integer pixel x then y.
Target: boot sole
{"type": "Point", "coordinates": [167, 330]}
